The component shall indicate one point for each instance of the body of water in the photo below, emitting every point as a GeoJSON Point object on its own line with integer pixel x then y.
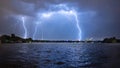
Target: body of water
{"type": "Point", "coordinates": [60, 55]}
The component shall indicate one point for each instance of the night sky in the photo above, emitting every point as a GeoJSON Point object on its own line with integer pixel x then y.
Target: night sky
{"type": "Point", "coordinates": [51, 19]}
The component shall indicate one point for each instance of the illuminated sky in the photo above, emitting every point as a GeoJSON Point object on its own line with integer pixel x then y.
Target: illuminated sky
{"type": "Point", "coordinates": [60, 19]}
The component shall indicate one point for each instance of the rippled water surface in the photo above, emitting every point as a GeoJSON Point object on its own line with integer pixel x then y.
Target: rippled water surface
{"type": "Point", "coordinates": [59, 55]}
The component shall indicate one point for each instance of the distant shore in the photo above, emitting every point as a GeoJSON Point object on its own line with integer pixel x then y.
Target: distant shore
{"type": "Point", "coordinates": [15, 39]}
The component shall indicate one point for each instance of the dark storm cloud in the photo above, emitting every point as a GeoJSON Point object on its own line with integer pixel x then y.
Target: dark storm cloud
{"type": "Point", "coordinates": [16, 7]}
{"type": "Point", "coordinates": [29, 6]}
{"type": "Point", "coordinates": [105, 23]}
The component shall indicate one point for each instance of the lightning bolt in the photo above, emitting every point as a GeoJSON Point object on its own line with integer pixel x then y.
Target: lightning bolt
{"type": "Point", "coordinates": [55, 9]}
{"type": "Point", "coordinates": [36, 27]}
{"type": "Point", "coordinates": [42, 34]}
{"type": "Point", "coordinates": [78, 26]}
{"type": "Point", "coordinates": [67, 13]}
{"type": "Point", "coordinates": [24, 27]}
{"type": "Point", "coordinates": [35, 32]}
{"type": "Point", "coordinates": [74, 13]}
{"type": "Point", "coordinates": [63, 10]}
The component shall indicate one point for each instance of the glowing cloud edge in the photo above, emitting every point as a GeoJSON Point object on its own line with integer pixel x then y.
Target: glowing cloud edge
{"type": "Point", "coordinates": [65, 12]}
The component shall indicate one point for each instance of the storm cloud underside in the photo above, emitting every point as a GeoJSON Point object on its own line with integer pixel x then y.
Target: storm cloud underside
{"type": "Point", "coordinates": [96, 18]}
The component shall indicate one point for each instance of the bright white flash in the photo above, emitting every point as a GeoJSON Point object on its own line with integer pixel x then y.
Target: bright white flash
{"type": "Point", "coordinates": [46, 15]}
{"type": "Point", "coordinates": [67, 13]}
{"type": "Point", "coordinates": [62, 9]}
{"type": "Point", "coordinates": [25, 28]}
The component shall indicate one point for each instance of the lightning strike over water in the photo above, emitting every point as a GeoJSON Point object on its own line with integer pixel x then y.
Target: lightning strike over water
{"type": "Point", "coordinates": [67, 13]}
{"type": "Point", "coordinates": [77, 23]}
{"type": "Point", "coordinates": [25, 28]}
{"type": "Point", "coordinates": [41, 16]}
{"type": "Point", "coordinates": [36, 29]}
